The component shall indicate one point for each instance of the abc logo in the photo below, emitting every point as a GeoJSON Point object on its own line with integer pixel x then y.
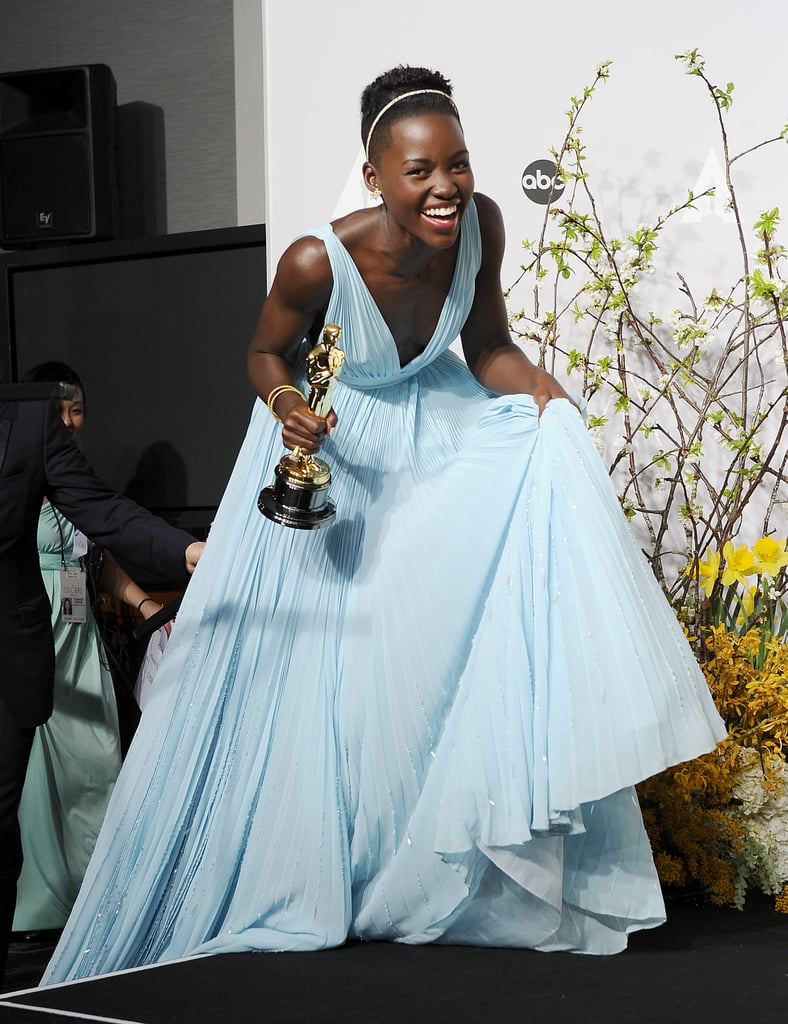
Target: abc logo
{"type": "Point", "coordinates": [541, 183]}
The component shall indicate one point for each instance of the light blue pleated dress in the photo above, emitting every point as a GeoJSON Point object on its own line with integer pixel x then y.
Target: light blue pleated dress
{"type": "Point", "coordinates": [422, 723]}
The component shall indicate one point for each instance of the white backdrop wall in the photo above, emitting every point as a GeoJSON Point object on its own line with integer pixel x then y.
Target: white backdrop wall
{"type": "Point", "coordinates": [649, 131]}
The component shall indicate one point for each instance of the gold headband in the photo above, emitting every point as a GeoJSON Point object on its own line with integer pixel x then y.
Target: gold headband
{"type": "Point", "coordinates": [397, 99]}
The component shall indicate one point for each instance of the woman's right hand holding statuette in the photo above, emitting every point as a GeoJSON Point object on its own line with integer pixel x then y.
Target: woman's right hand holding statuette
{"type": "Point", "coordinates": [298, 497]}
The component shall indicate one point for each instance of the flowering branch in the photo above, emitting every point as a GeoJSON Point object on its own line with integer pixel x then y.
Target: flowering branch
{"type": "Point", "coordinates": [690, 406]}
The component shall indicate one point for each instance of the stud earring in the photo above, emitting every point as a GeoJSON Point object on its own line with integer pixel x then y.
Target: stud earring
{"type": "Point", "coordinates": [376, 194]}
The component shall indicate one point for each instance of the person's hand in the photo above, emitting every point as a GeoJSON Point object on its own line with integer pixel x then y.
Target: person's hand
{"type": "Point", "coordinates": [302, 429]}
{"type": "Point", "coordinates": [546, 389]}
{"type": "Point", "coordinates": [192, 555]}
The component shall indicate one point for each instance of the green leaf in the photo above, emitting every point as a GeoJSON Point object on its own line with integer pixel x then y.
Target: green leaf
{"type": "Point", "coordinates": [622, 403]}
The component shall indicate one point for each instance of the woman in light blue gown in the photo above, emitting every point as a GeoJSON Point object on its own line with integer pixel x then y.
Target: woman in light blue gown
{"type": "Point", "coordinates": [422, 723]}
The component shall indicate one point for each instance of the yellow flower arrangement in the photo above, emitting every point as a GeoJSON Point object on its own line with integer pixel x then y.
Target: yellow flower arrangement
{"type": "Point", "coordinates": [720, 822]}
{"type": "Point", "coordinates": [725, 580]}
{"type": "Point", "coordinates": [705, 818]}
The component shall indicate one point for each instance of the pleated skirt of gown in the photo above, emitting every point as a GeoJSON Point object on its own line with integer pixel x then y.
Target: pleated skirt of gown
{"type": "Point", "coordinates": [422, 723]}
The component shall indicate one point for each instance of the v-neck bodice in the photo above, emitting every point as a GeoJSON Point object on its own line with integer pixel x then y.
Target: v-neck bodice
{"type": "Point", "coordinates": [371, 350]}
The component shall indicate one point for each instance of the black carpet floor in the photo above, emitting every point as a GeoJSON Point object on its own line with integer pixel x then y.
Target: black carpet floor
{"type": "Point", "coordinates": [707, 964]}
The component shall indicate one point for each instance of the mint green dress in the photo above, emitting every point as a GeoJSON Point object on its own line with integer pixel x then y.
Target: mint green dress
{"type": "Point", "coordinates": [75, 758]}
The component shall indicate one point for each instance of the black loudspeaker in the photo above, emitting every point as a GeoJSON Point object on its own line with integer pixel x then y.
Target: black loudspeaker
{"type": "Point", "coordinates": [58, 167]}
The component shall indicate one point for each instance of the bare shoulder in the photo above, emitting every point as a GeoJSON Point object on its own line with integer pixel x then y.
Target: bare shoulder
{"type": "Point", "coordinates": [303, 280]}
{"type": "Point", "coordinates": [356, 230]}
{"type": "Point", "coordinates": [488, 209]}
{"type": "Point", "coordinates": [305, 258]}
{"type": "Point", "coordinates": [491, 227]}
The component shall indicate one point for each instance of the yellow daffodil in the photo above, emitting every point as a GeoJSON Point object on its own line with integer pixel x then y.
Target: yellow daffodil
{"type": "Point", "coordinates": [739, 563]}
{"type": "Point", "coordinates": [770, 555]}
{"type": "Point", "coordinates": [747, 605]}
{"type": "Point", "coordinates": [706, 570]}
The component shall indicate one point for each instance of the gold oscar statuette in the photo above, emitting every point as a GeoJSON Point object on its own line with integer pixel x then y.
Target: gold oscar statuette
{"type": "Point", "coordinates": [299, 495]}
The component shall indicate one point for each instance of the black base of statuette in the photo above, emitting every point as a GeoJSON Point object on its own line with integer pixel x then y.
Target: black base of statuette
{"type": "Point", "coordinates": [297, 503]}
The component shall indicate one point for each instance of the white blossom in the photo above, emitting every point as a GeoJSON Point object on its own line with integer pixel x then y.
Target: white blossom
{"type": "Point", "coordinates": [765, 812]}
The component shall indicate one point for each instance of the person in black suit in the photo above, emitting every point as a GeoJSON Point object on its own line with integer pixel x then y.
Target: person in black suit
{"type": "Point", "coordinates": [37, 459]}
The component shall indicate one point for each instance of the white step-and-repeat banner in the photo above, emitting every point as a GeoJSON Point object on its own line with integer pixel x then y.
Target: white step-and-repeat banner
{"type": "Point", "coordinates": [651, 131]}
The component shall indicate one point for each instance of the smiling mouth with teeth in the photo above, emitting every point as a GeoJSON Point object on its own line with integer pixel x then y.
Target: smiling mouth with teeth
{"type": "Point", "coordinates": [440, 212]}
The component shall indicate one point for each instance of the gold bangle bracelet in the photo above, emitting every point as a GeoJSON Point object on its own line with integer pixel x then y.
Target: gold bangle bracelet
{"type": "Point", "coordinates": [276, 392]}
